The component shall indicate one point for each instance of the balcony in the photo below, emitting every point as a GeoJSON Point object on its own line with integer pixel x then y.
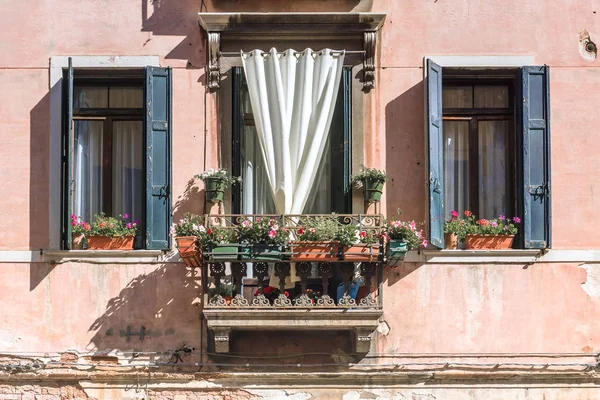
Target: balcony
{"type": "Point", "coordinates": [299, 286]}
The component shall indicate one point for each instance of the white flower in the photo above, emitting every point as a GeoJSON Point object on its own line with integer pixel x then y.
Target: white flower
{"type": "Point", "coordinates": [195, 227]}
{"type": "Point", "coordinates": [275, 227]}
{"type": "Point", "coordinates": [202, 228]}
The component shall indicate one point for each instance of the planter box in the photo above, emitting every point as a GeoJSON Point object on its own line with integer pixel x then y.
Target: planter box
{"type": "Point", "coordinates": [189, 251]}
{"type": "Point", "coordinates": [315, 251]}
{"type": "Point", "coordinates": [110, 243]}
{"type": "Point", "coordinates": [396, 252]}
{"type": "Point", "coordinates": [361, 252]}
{"type": "Point", "coordinates": [225, 251]}
{"type": "Point", "coordinates": [489, 242]}
{"type": "Point", "coordinates": [262, 252]}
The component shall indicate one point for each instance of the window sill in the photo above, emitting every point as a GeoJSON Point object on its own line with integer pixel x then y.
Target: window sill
{"type": "Point", "coordinates": [482, 256]}
{"type": "Point", "coordinates": [106, 256]}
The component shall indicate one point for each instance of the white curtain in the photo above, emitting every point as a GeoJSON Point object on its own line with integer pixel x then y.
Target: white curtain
{"type": "Point", "coordinates": [293, 99]}
{"type": "Point", "coordinates": [456, 166]}
{"type": "Point", "coordinates": [128, 190]}
{"type": "Point", "coordinates": [87, 168]}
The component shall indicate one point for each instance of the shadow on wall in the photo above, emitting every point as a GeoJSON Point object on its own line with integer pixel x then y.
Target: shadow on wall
{"type": "Point", "coordinates": [161, 303]}
{"type": "Point", "coordinates": [191, 201]}
{"type": "Point", "coordinates": [176, 18]}
{"type": "Point", "coordinates": [288, 5]}
{"type": "Point", "coordinates": [405, 162]}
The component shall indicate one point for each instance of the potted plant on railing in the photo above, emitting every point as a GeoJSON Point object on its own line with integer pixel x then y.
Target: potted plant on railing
{"type": "Point", "coordinates": [365, 246]}
{"type": "Point", "coordinates": [216, 181]}
{"type": "Point", "coordinates": [187, 232]}
{"type": "Point", "coordinates": [315, 239]}
{"type": "Point", "coordinates": [219, 243]}
{"type": "Point", "coordinates": [372, 181]}
{"type": "Point", "coordinates": [490, 234]}
{"type": "Point", "coordinates": [262, 238]}
{"type": "Point", "coordinates": [402, 236]}
{"type": "Point", "coordinates": [109, 233]}
{"type": "Point", "coordinates": [78, 231]}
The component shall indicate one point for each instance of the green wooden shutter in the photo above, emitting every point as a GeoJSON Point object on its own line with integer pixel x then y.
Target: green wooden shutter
{"type": "Point", "coordinates": [67, 156]}
{"type": "Point", "coordinates": [435, 150]}
{"type": "Point", "coordinates": [158, 157]}
{"type": "Point", "coordinates": [536, 219]}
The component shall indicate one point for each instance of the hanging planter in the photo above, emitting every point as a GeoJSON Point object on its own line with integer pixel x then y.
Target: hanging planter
{"type": "Point", "coordinates": [189, 251]}
{"type": "Point", "coordinates": [314, 251]}
{"type": "Point", "coordinates": [489, 242]}
{"type": "Point", "coordinates": [372, 181]}
{"type": "Point", "coordinates": [216, 181]}
{"type": "Point", "coordinates": [396, 252]}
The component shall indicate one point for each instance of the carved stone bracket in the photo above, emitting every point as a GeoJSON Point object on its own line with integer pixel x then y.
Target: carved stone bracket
{"type": "Point", "coordinates": [363, 340]}
{"type": "Point", "coordinates": [221, 336]}
{"type": "Point", "coordinates": [214, 73]}
{"type": "Point", "coordinates": [369, 46]}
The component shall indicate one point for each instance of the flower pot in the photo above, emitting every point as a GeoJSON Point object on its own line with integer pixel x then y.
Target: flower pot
{"type": "Point", "coordinates": [225, 251]}
{"type": "Point", "coordinates": [189, 250]}
{"type": "Point", "coordinates": [372, 190]}
{"type": "Point", "coordinates": [489, 242]}
{"type": "Point", "coordinates": [263, 252]}
{"type": "Point", "coordinates": [214, 189]}
{"type": "Point", "coordinates": [110, 243]}
{"type": "Point", "coordinates": [77, 241]}
{"type": "Point", "coordinates": [396, 252]}
{"type": "Point", "coordinates": [361, 252]}
{"type": "Point", "coordinates": [314, 251]}
{"type": "Point", "coordinates": [451, 241]}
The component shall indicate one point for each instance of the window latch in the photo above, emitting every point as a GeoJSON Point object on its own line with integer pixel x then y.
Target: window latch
{"type": "Point", "coordinates": [163, 192]}
{"type": "Point", "coordinates": [539, 190]}
{"type": "Point", "coordinates": [435, 182]}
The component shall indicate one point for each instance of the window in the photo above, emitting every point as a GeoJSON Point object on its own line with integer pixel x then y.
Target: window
{"type": "Point", "coordinates": [116, 156]}
{"type": "Point", "coordinates": [331, 192]}
{"type": "Point", "coordinates": [489, 152]}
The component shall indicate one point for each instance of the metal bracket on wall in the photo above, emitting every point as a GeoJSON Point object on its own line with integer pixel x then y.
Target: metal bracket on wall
{"type": "Point", "coordinates": [141, 333]}
{"type": "Point", "coordinates": [369, 46]}
{"type": "Point", "coordinates": [214, 73]}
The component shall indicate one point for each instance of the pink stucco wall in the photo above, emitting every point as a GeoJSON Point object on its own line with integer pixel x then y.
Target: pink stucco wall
{"type": "Point", "coordinates": [429, 308]}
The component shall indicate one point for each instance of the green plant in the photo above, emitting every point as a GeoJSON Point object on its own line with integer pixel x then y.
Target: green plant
{"type": "Point", "coordinates": [78, 226]}
{"type": "Point", "coordinates": [317, 229]}
{"type": "Point", "coordinates": [190, 225]}
{"type": "Point", "coordinates": [347, 234]}
{"type": "Point", "coordinates": [262, 231]}
{"type": "Point", "coordinates": [220, 174]}
{"type": "Point", "coordinates": [469, 225]}
{"type": "Point", "coordinates": [215, 235]}
{"type": "Point", "coordinates": [369, 236]}
{"type": "Point", "coordinates": [369, 173]}
{"type": "Point", "coordinates": [405, 231]}
{"type": "Point", "coordinates": [112, 227]}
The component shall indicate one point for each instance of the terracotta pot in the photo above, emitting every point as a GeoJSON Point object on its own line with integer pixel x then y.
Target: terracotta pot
{"type": "Point", "coordinates": [451, 241]}
{"type": "Point", "coordinates": [77, 241]}
{"type": "Point", "coordinates": [189, 251]}
{"type": "Point", "coordinates": [314, 251]}
{"type": "Point", "coordinates": [361, 252]}
{"type": "Point", "coordinates": [110, 243]}
{"type": "Point", "coordinates": [489, 242]}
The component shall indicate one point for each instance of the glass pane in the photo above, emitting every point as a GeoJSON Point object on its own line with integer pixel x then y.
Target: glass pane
{"type": "Point", "coordinates": [90, 97]}
{"type": "Point", "coordinates": [493, 199]}
{"type": "Point", "coordinates": [126, 97]}
{"type": "Point", "coordinates": [457, 97]}
{"type": "Point", "coordinates": [128, 176]}
{"type": "Point", "coordinates": [87, 168]}
{"type": "Point", "coordinates": [456, 165]}
{"type": "Point", "coordinates": [491, 96]}
{"type": "Point", "coordinates": [256, 196]}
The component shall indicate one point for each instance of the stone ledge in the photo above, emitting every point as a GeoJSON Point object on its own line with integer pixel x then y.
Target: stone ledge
{"type": "Point", "coordinates": [105, 256]}
{"type": "Point", "coordinates": [221, 321]}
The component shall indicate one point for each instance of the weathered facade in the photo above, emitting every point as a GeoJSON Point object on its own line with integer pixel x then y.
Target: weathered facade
{"type": "Point", "coordinates": [521, 323]}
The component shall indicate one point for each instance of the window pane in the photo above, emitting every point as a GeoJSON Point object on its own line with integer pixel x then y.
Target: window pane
{"type": "Point", "coordinates": [126, 97]}
{"type": "Point", "coordinates": [493, 199]}
{"type": "Point", "coordinates": [491, 96]}
{"type": "Point", "coordinates": [87, 168]}
{"type": "Point", "coordinates": [456, 165]}
{"type": "Point", "coordinates": [90, 97]}
{"type": "Point", "coordinates": [256, 191]}
{"type": "Point", "coordinates": [457, 97]}
{"type": "Point", "coordinates": [128, 177]}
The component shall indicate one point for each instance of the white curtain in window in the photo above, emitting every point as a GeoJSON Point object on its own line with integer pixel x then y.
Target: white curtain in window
{"type": "Point", "coordinates": [293, 99]}
{"type": "Point", "coordinates": [87, 168]}
{"type": "Point", "coordinates": [456, 166]}
{"type": "Point", "coordinates": [128, 178]}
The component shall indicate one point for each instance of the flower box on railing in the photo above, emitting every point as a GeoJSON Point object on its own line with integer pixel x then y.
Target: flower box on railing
{"type": "Point", "coordinates": [361, 252]}
{"type": "Point", "coordinates": [396, 252]}
{"type": "Point", "coordinates": [265, 252]}
{"type": "Point", "coordinates": [224, 252]}
{"type": "Point", "coordinates": [314, 251]}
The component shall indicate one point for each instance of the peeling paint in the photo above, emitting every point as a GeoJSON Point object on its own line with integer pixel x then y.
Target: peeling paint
{"type": "Point", "coordinates": [592, 283]}
{"type": "Point", "coordinates": [383, 328]}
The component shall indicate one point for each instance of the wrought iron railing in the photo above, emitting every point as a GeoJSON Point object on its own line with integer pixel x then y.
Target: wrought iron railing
{"type": "Point", "coordinates": [315, 269]}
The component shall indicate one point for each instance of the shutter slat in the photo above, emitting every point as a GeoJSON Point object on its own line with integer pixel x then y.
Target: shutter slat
{"type": "Point", "coordinates": [158, 158]}
{"type": "Point", "coordinates": [536, 157]}
{"type": "Point", "coordinates": [435, 154]}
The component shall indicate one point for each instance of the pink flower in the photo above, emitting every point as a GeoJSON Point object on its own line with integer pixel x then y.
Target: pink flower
{"type": "Point", "coordinates": [246, 223]}
{"type": "Point", "coordinates": [272, 234]}
{"type": "Point", "coordinates": [129, 225]}
{"type": "Point", "coordinates": [125, 216]}
{"type": "Point", "coordinates": [454, 214]}
{"type": "Point", "coordinates": [468, 213]}
{"type": "Point", "coordinates": [517, 220]}
{"type": "Point", "coordinates": [137, 221]}
{"type": "Point", "coordinates": [420, 234]}
{"type": "Point", "coordinates": [494, 224]}
{"type": "Point", "coordinates": [424, 242]}
{"type": "Point", "coordinates": [74, 222]}
{"type": "Point", "coordinates": [502, 217]}
{"type": "Point", "coordinates": [482, 222]}
{"type": "Point", "coordinates": [311, 230]}
{"type": "Point", "coordinates": [275, 227]}
{"type": "Point", "coordinates": [412, 225]}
